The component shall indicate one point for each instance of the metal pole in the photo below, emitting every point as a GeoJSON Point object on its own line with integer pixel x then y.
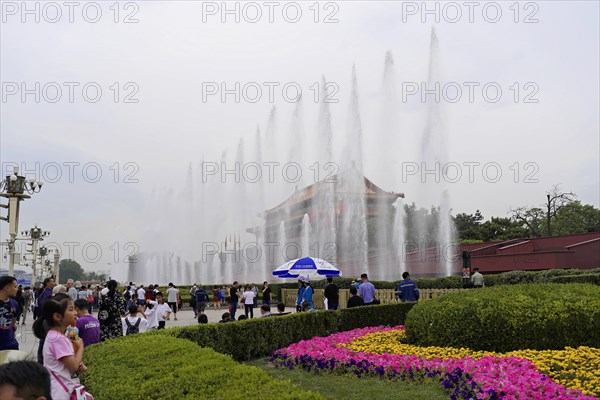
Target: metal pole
{"type": "Point", "coordinates": [56, 265]}
{"type": "Point", "coordinates": [13, 227]}
{"type": "Point", "coordinates": [43, 265]}
{"type": "Point", "coordinates": [34, 244]}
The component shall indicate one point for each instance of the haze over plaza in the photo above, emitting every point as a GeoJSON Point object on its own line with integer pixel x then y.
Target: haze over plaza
{"type": "Point", "coordinates": [180, 86]}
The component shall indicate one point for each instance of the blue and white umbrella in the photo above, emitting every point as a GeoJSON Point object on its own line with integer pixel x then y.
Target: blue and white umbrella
{"type": "Point", "coordinates": [306, 267]}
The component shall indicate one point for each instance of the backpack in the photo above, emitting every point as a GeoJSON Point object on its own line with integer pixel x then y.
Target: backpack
{"type": "Point", "coordinates": [127, 295]}
{"type": "Point", "coordinates": [132, 328]}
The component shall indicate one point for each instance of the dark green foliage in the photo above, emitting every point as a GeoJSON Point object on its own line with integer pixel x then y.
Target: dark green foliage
{"type": "Point", "coordinates": [518, 277]}
{"type": "Point", "coordinates": [360, 317]}
{"type": "Point", "coordinates": [505, 318]}
{"type": "Point", "coordinates": [259, 337]}
{"type": "Point", "coordinates": [156, 366]}
{"type": "Point", "coordinates": [583, 278]}
{"type": "Point", "coordinates": [449, 282]}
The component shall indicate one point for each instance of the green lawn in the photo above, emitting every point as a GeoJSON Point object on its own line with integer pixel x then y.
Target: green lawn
{"type": "Point", "coordinates": [348, 387]}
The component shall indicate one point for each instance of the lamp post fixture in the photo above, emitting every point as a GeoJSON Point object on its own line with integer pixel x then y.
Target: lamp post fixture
{"type": "Point", "coordinates": [36, 234]}
{"type": "Point", "coordinates": [56, 264]}
{"type": "Point", "coordinates": [13, 188]}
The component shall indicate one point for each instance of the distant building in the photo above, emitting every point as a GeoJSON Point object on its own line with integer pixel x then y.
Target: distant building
{"type": "Point", "coordinates": [327, 203]}
{"type": "Point", "coordinates": [531, 254]}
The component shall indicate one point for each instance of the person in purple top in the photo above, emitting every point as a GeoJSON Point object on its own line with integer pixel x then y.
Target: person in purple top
{"type": "Point", "coordinates": [366, 290]}
{"type": "Point", "coordinates": [9, 313]}
{"type": "Point", "coordinates": [88, 325]}
{"type": "Point", "coordinates": [49, 284]}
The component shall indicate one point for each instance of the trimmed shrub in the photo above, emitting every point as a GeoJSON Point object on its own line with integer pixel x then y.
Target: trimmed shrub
{"type": "Point", "coordinates": [385, 314]}
{"type": "Point", "coordinates": [449, 282]}
{"type": "Point", "coordinates": [154, 366]}
{"type": "Point", "coordinates": [259, 337]}
{"type": "Point", "coordinates": [505, 318]}
{"type": "Point", "coordinates": [583, 278]}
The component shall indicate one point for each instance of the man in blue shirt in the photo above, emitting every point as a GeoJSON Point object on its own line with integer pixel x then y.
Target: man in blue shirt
{"type": "Point", "coordinates": [201, 298]}
{"type": "Point", "coordinates": [366, 290]}
{"type": "Point", "coordinates": [307, 293]}
{"type": "Point", "coordinates": [9, 313]}
{"type": "Point", "coordinates": [49, 284]}
{"type": "Point", "coordinates": [407, 289]}
{"type": "Point", "coordinates": [300, 294]}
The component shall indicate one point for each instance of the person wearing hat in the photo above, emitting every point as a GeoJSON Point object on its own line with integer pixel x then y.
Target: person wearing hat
{"type": "Point", "coordinates": [307, 295]}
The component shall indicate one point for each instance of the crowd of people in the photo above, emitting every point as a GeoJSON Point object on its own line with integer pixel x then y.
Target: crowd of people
{"type": "Point", "coordinates": [65, 324]}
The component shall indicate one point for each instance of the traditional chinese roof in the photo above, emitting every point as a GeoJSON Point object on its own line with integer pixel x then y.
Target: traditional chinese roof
{"type": "Point", "coordinates": [337, 184]}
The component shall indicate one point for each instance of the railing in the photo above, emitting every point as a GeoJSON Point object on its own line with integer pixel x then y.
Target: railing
{"type": "Point", "coordinates": [386, 296]}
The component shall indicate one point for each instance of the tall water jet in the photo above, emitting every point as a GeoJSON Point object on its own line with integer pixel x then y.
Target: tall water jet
{"type": "Point", "coordinates": [435, 157]}
{"type": "Point", "coordinates": [297, 149]}
{"type": "Point", "coordinates": [305, 237]}
{"type": "Point", "coordinates": [227, 264]}
{"type": "Point", "coordinates": [202, 271]}
{"type": "Point", "coordinates": [281, 241]}
{"type": "Point", "coordinates": [217, 270]}
{"type": "Point", "coordinates": [385, 146]}
{"type": "Point", "coordinates": [399, 234]}
{"type": "Point", "coordinates": [258, 224]}
{"type": "Point", "coordinates": [325, 219]}
{"type": "Point", "coordinates": [352, 237]}
{"type": "Point", "coordinates": [446, 235]}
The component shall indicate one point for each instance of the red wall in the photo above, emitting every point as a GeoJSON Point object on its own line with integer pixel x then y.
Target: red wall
{"type": "Point", "coordinates": [572, 251]}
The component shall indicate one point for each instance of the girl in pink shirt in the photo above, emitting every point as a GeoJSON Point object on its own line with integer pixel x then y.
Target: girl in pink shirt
{"type": "Point", "coordinates": [62, 356]}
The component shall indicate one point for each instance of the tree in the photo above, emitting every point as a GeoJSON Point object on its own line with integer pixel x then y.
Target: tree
{"type": "Point", "coordinates": [502, 229]}
{"type": "Point", "coordinates": [562, 215]}
{"type": "Point", "coordinates": [575, 218]}
{"type": "Point", "coordinates": [556, 200]}
{"type": "Point", "coordinates": [530, 218]}
{"type": "Point", "coordinates": [468, 226]}
{"type": "Point", "coordinates": [70, 269]}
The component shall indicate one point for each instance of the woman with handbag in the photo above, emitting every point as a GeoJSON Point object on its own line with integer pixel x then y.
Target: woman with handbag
{"type": "Point", "coordinates": [111, 311]}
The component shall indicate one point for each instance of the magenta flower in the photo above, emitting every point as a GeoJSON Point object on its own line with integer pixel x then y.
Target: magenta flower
{"type": "Point", "coordinates": [484, 378]}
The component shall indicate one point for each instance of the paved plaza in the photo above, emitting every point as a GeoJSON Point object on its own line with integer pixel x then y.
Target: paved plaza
{"type": "Point", "coordinates": [29, 343]}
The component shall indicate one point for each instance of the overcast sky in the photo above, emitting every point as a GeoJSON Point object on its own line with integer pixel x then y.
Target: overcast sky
{"type": "Point", "coordinates": [162, 62]}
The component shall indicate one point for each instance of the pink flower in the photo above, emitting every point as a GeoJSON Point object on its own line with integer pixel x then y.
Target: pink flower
{"type": "Point", "coordinates": [510, 378]}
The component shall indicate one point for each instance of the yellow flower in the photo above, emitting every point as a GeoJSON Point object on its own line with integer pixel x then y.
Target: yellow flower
{"type": "Point", "coordinates": [574, 368]}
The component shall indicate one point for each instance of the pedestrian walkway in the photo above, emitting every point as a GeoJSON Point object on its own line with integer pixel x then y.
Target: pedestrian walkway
{"type": "Point", "coordinates": [29, 343]}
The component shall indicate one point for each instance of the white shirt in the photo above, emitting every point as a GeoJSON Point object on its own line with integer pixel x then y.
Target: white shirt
{"type": "Point", "coordinates": [72, 292]}
{"type": "Point", "coordinates": [248, 297]}
{"type": "Point", "coordinates": [172, 295]}
{"type": "Point", "coordinates": [104, 291]}
{"type": "Point", "coordinates": [133, 320]}
{"type": "Point", "coordinates": [141, 294]}
{"type": "Point", "coordinates": [161, 310]}
{"type": "Point", "coordinates": [152, 316]}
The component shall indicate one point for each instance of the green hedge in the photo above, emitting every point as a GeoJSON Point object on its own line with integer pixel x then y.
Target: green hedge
{"type": "Point", "coordinates": [259, 337]}
{"type": "Point", "coordinates": [583, 278]}
{"type": "Point", "coordinates": [505, 318]}
{"type": "Point", "coordinates": [450, 282]}
{"type": "Point", "coordinates": [154, 366]}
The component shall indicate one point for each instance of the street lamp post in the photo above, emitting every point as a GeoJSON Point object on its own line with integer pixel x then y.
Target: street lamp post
{"type": "Point", "coordinates": [36, 234]}
{"type": "Point", "coordinates": [56, 265]}
{"type": "Point", "coordinates": [44, 264]}
{"type": "Point", "coordinates": [13, 188]}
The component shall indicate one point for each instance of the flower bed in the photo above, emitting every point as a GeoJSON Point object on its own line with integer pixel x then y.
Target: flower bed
{"type": "Point", "coordinates": [467, 374]}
